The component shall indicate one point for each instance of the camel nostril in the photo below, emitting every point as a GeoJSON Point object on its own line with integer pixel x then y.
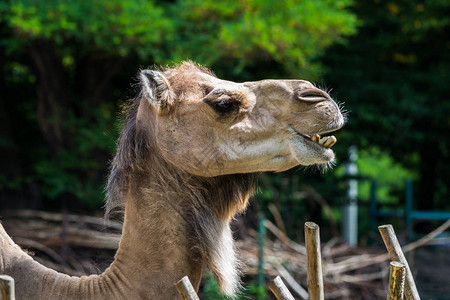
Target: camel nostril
{"type": "Point", "coordinates": [312, 95]}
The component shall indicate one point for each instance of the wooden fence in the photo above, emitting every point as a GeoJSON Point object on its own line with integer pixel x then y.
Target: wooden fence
{"type": "Point", "coordinates": [401, 282]}
{"type": "Point", "coordinates": [6, 287]}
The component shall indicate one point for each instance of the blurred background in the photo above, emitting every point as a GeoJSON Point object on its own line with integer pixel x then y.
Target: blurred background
{"type": "Point", "coordinates": [68, 68]}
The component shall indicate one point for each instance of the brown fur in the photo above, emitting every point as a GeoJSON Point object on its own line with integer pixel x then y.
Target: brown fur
{"type": "Point", "coordinates": [221, 196]}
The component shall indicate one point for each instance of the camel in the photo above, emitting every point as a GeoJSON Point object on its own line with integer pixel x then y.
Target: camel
{"type": "Point", "coordinates": [187, 161]}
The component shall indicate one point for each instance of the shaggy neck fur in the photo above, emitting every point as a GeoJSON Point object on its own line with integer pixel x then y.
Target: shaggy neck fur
{"type": "Point", "coordinates": [190, 214]}
{"type": "Point", "coordinates": [168, 233]}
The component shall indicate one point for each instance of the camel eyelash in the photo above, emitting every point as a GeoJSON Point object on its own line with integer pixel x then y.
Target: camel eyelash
{"type": "Point", "coordinates": [223, 105]}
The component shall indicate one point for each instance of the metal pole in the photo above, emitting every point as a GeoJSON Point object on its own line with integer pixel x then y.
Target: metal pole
{"type": "Point", "coordinates": [373, 210]}
{"type": "Point", "coordinates": [350, 208]}
{"type": "Point", "coordinates": [261, 241]}
{"type": "Point", "coordinates": [409, 209]}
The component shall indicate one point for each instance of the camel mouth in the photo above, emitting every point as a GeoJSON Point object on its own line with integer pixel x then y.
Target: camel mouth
{"type": "Point", "coordinates": [312, 149]}
{"type": "Point", "coordinates": [324, 142]}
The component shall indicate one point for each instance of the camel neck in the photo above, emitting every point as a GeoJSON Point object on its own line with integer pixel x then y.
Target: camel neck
{"type": "Point", "coordinates": [171, 229]}
{"type": "Point", "coordinates": [154, 253]}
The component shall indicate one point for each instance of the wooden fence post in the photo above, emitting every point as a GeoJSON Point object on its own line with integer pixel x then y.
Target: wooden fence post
{"type": "Point", "coordinates": [280, 290]}
{"type": "Point", "coordinates": [396, 254]}
{"type": "Point", "coordinates": [186, 290]}
{"type": "Point", "coordinates": [396, 281]}
{"type": "Point", "coordinates": [7, 288]}
{"type": "Point", "coordinates": [314, 261]}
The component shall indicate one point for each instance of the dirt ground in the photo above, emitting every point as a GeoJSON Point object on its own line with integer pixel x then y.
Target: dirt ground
{"type": "Point", "coordinates": [431, 269]}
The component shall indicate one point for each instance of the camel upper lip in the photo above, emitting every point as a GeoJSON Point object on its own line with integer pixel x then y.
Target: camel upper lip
{"type": "Point", "coordinates": [321, 132]}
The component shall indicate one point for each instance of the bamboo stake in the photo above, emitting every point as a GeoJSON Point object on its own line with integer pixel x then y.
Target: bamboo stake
{"type": "Point", "coordinates": [396, 254]}
{"type": "Point", "coordinates": [292, 283]}
{"type": "Point", "coordinates": [396, 281]}
{"type": "Point", "coordinates": [280, 290]}
{"type": "Point", "coordinates": [6, 288]}
{"type": "Point", "coordinates": [186, 290]}
{"type": "Point", "coordinates": [314, 274]}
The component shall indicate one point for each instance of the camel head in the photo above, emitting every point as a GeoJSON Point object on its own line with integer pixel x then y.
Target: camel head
{"type": "Point", "coordinates": [210, 127]}
{"type": "Point", "coordinates": [196, 143]}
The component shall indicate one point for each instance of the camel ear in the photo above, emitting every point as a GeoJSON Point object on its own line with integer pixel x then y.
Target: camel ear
{"type": "Point", "coordinates": [156, 89]}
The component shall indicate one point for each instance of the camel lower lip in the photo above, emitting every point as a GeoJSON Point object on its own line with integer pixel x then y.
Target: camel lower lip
{"type": "Point", "coordinates": [308, 152]}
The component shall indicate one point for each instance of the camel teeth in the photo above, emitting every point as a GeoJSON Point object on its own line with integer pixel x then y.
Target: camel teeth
{"type": "Point", "coordinates": [323, 140]}
{"type": "Point", "coordinates": [315, 138]}
{"type": "Point", "coordinates": [326, 141]}
{"type": "Point", "coordinates": [330, 141]}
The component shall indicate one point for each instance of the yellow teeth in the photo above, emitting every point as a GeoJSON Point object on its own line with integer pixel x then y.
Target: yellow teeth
{"type": "Point", "coordinates": [326, 141]}
{"type": "Point", "coordinates": [330, 141]}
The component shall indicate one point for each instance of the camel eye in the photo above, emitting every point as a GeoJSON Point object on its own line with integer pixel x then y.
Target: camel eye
{"type": "Point", "coordinates": [223, 105]}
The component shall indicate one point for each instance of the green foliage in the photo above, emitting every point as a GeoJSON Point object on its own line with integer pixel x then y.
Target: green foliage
{"type": "Point", "coordinates": [291, 34]}
{"type": "Point", "coordinates": [211, 291]}
{"type": "Point", "coordinates": [87, 51]}
{"type": "Point", "coordinates": [114, 27]}
{"type": "Point", "coordinates": [389, 174]}
{"type": "Point", "coordinates": [391, 184]}
{"type": "Point", "coordinates": [392, 78]}
{"type": "Point", "coordinates": [77, 171]}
